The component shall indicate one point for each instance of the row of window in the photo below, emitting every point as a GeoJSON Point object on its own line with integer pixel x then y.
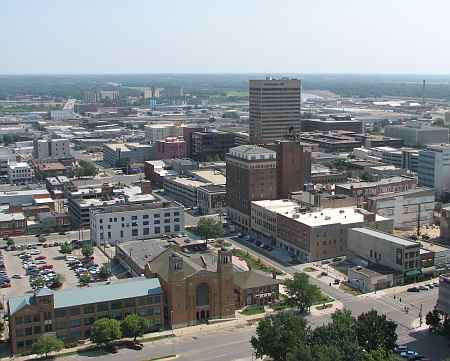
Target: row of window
{"type": "Point", "coordinates": [145, 223]}
{"type": "Point", "coordinates": [32, 318]}
{"type": "Point", "coordinates": [135, 218]}
{"type": "Point", "coordinates": [145, 231]}
{"type": "Point", "coordinates": [32, 330]}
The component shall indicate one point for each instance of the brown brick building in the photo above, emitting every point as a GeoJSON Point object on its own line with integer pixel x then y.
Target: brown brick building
{"type": "Point", "coordinates": [251, 176]}
{"type": "Point", "coordinates": [69, 314]}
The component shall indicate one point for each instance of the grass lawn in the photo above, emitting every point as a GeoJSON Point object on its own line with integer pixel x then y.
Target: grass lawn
{"type": "Point", "coordinates": [309, 269]}
{"type": "Point", "coordinates": [346, 288]}
{"type": "Point", "coordinates": [322, 299]}
{"type": "Point", "coordinates": [252, 311]}
{"type": "Point", "coordinates": [237, 93]}
{"type": "Point", "coordinates": [254, 263]}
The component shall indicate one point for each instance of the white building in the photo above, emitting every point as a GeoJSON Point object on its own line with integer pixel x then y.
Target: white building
{"type": "Point", "coordinates": [154, 132]}
{"type": "Point", "coordinates": [434, 167]}
{"type": "Point", "coordinates": [51, 149]}
{"type": "Point", "coordinates": [417, 133]}
{"type": "Point", "coordinates": [403, 207]}
{"type": "Point", "coordinates": [20, 173]}
{"type": "Point", "coordinates": [128, 222]}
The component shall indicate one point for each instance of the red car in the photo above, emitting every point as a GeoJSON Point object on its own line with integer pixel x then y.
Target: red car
{"type": "Point", "coordinates": [46, 266]}
{"type": "Point", "coordinates": [5, 285]}
{"type": "Point", "coordinates": [40, 257]}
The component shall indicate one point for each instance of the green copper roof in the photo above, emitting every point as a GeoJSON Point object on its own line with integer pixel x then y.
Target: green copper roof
{"type": "Point", "coordinates": [129, 288]}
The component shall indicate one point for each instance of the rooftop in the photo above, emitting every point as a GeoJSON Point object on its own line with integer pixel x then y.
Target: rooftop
{"type": "Point", "coordinates": [387, 236]}
{"type": "Point", "coordinates": [128, 288]}
{"type": "Point", "coordinates": [209, 176]}
{"type": "Point", "coordinates": [138, 207]}
{"type": "Point", "coordinates": [374, 184]}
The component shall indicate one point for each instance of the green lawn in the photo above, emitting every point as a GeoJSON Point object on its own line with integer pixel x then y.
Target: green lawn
{"type": "Point", "coordinates": [347, 289]}
{"type": "Point", "coordinates": [254, 263]}
{"type": "Point", "coordinates": [252, 311]}
{"type": "Point", "coordinates": [237, 93]}
{"type": "Point", "coordinates": [309, 269]}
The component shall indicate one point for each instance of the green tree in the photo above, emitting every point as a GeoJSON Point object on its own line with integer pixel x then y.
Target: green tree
{"type": "Point", "coordinates": [277, 336]}
{"type": "Point", "coordinates": [378, 355]}
{"type": "Point", "coordinates": [134, 326]}
{"type": "Point", "coordinates": [46, 344]}
{"type": "Point", "coordinates": [375, 331]}
{"type": "Point", "coordinates": [66, 248]}
{"type": "Point", "coordinates": [85, 169]}
{"type": "Point", "coordinates": [87, 251]}
{"type": "Point", "coordinates": [2, 327]}
{"type": "Point", "coordinates": [104, 271]}
{"type": "Point", "coordinates": [300, 293]}
{"type": "Point", "coordinates": [209, 227]}
{"type": "Point", "coordinates": [59, 280]}
{"type": "Point", "coordinates": [105, 330]}
{"type": "Point", "coordinates": [10, 242]}
{"type": "Point", "coordinates": [433, 319]}
{"type": "Point", "coordinates": [39, 282]}
{"type": "Point", "coordinates": [85, 279]}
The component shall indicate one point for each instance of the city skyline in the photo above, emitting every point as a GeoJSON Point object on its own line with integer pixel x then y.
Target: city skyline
{"type": "Point", "coordinates": [213, 37]}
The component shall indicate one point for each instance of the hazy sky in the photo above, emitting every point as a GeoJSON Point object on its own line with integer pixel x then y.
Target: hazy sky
{"type": "Point", "coordinates": [240, 36]}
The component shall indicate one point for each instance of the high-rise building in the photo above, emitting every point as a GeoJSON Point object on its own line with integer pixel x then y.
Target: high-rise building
{"type": "Point", "coordinates": [274, 109]}
{"type": "Point", "coordinates": [251, 176]}
{"type": "Point", "coordinates": [434, 167]}
{"type": "Point", "coordinates": [51, 149]}
{"type": "Point", "coordinates": [293, 166]}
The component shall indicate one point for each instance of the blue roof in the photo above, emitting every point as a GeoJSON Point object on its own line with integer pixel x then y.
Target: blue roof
{"type": "Point", "coordinates": [129, 288]}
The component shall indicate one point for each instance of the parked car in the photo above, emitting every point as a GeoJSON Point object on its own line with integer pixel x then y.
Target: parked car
{"type": "Point", "coordinates": [40, 258]}
{"type": "Point", "coordinates": [423, 288]}
{"type": "Point", "coordinates": [400, 348]}
{"type": "Point", "coordinates": [413, 289]}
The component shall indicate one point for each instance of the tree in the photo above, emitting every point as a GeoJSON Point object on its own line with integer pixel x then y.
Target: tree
{"type": "Point", "coordinates": [105, 330]}
{"type": "Point", "coordinates": [87, 251]}
{"type": "Point", "coordinates": [2, 327]}
{"type": "Point", "coordinates": [375, 331]}
{"type": "Point", "coordinates": [10, 242]}
{"type": "Point", "coordinates": [300, 293]}
{"type": "Point", "coordinates": [209, 227]}
{"type": "Point", "coordinates": [85, 279]}
{"type": "Point", "coordinates": [379, 355]}
{"type": "Point", "coordinates": [39, 282]}
{"type": "Point", "coordinates": [58, 281]}
{"type": "Point", "coordinates": [104, 271]}
{"type": "Point", "coordinates": [276, 336]}
{"type": "Point", "coordinates": [46, 344]}
{"type": "Point", "coordinates": [134, 326]}
{"type": "Point", "coordinates": [85, 169]}
{"type": "Point", "coordinates": [66, 248]}
{"type": "Point", "coordinates": [433, 319]}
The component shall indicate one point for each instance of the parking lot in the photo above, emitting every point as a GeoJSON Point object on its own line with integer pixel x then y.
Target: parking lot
{"type": "Point", "coordinates": [51, 257]}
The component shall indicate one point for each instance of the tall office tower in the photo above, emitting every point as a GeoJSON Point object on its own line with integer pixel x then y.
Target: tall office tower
{"type": "Point", "coordinates": [274, 109]}
{"type": "Point", "coordinates": [251, 176]}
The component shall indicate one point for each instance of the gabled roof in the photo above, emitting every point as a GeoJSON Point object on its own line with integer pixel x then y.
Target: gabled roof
{"type": "Point", "coordinates": [254, 279]}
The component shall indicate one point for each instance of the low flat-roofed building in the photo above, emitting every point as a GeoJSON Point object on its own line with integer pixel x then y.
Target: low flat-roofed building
{"type": "Point", "coordinates": [371, 246]}
{"type": "Point", "coordinates": [311, 236]}
{"type": "Point", "coordinates": [322, 199]}
{"type": "Point", "coordinates": [209, 176]}
{"type": "Point", "coordinates": [405, 207]}
{"type": "Point", "coordinates": [369, 279]}
{"type": "Point", "coordinates": [183, 190]}
{"type": "Point", "coordinates": [440, 254]}
{"type": "Point", "coordinates": [69, 314]}
{"type": "Point", "coordinates": [20, 173]}
{"type": "Point", "coordinates": [12, 224]}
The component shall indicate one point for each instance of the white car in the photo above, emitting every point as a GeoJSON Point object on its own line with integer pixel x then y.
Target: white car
{"type": "Point", "coordinates": [41, 261]}
{"type": "Point", "coordinates": [35, 251]}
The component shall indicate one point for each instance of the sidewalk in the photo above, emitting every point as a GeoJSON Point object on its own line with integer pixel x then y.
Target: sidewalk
{"type": "Point", "coordinates": [396, 289]}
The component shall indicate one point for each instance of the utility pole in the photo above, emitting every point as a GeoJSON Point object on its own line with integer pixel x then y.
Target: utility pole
{"type": "Point", "coordinates": [420, 316]}
{"type": "Point", "coordinates": [418, 219]}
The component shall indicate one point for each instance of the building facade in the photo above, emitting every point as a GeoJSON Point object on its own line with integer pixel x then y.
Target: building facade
{"type": "Point", "coordinates": [211, 145]}
{"type": "Point", "coordinates": [251, 176]}
{"type": "Point", "coordinates": [20, 173]}
{"type": "Point", "coordinates": [418, 134]}
{"type": "Point", "coordinates": [274, 107]}
{"type": "Point", "coordinates": [212, 199]}
{"type": "Point", "coordinates": [69, 314]}
{"type": "Point", "coordinates": [170, 148]}
{"type": "Point", "coordinates": [405, 207]}
{"type": "Point", "coordinates": [120, 223]}
{"type": "Point", "coordinates": [51, 149]}
{"type": "Point", "coordinates": [121, 154]}
{"type": "Point", "coordinates": [154, 132]}
{"type": "Point", "coordinates": [434, 168]}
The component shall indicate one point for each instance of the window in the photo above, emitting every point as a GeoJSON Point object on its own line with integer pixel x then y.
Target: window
{"type": "Point", "coordinates": [116, 305]}
{"type": "Point", "coordinates": [37, 329]}
{"type": "Point", "coordinates": [145, 216]}
{"type": "Point", "coordinates": [167, 229]}
{"type": "Point", "coordinates": [129, 302]}
{"type": "Point", "coordinates": [157, 230]}
{"type": "Point", "coordinates": [157, 215]}
{"type": "Point", "coordinates": [121, 234]}
{"type": "Point", "coordinates": [143, 300]}
{"type": "Point", "coordinates": [19, 320]}
{"type": "Point", "coordinates": [47, 316]}
{"type": "Point", "coordinates": [76, 334]}
{"type": "Point", "coordinates": [37, 318]}
{"type": "Point", "coordinates": [109, 235]}
{"type": "Point", "coordinates": [176, 219]}
{"type": "Point", "coordinates": [145, 223]}
{"type": "Point", "coordinates": [102, 307]}
{"type": "Point", "coordinates": [176, 213]}
{"type": "Point", "coordinates": [146, 231]}
{"type": "Point", "coordinates": [167, 214]}
{"type": "Point", "coordinates": [19, 332]}
{"type": "Point", "coordinates": [115, 219]}
{"type": "Point", "coordinates": [48, 328]}
{"type": "Point", "coordinates": [28, 331]}
{"type": "Point", "coordinates": [27, 319]}
{"type": "Point", "coordinates": [109, 226]}
{"type": "Point", "coordinates": [134, 232]}
{"type": "Point", "coordinates": [89, 309]}
{"type": "Point", "coordinates": [123, 225]}
{"type": "Point", "coordinates": [75, 323]}
{"type": "Point", "coordinates": [89, 321]}
{"type": "Point", "coordinates": [176, 228]}
{"type": "Point", "coordinates": [122, 219]}
{"type": "Point", "coordinates": [75, 311]}
{"type": "Point", "coordinates": [101, 220]}
{"type": "Point", "coordinates": [156, 310]}
{"type": "Point", "coordinates": [156, 221]}
{"type": "Point", "coordinates": [110, 219]}
{"type": "Point", "coordinates": [133, 218]}
{"type": "Point", "coordinates": [20, 344]}
{"type": "Point", "coordinates": [157, 299]}
{"type": "Point", "coordinates": [28, 342]}
{"type": "Point", "coordinates": [60, 313]}
{"type": "Point", "coordinates": [167, 220]}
